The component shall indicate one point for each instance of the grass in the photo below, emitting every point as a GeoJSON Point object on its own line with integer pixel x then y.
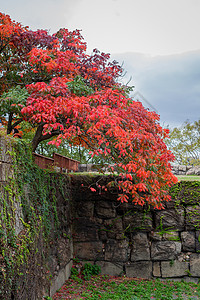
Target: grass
{"type": "Point", "coordinates": [188, 178]}
{"type": "Point", "coordinates": [122, 288]}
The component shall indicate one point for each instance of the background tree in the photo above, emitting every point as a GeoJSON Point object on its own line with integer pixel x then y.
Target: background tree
{"type": "Point", "coordinates": [184, 142]}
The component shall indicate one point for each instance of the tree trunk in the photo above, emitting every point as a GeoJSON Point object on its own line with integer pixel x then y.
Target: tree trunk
{"type": "Point", "coordinates": [39, 137]}
{"type": "Point", "coordinates": [36, 140]}
{"type": "Point", "coordinates": [9, 126]}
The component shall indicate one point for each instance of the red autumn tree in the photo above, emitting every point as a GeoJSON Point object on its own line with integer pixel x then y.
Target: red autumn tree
{"type": "Point", "coordinates": [16, 41]}
{"type": "Point", "coordinates": [78, 97]}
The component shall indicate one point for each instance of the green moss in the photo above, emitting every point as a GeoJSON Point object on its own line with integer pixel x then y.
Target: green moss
{"type": "Point", "coordinates": [186, 192]}
{"type": "Point", "coordinates": [24, 255]}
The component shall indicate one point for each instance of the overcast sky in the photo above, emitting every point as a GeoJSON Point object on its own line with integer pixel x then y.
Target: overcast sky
{"type": "Point", "coordinates": [158, 41]}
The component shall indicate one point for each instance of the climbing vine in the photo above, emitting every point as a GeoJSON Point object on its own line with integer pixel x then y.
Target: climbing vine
{"type": "Point", "coordinates": [29, 222]}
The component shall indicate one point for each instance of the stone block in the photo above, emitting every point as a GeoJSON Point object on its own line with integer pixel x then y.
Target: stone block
{"type": "Point", "coordinates": [156, 269]}
{"type": "Point", "coordinates": [108, 268]}
{"type": "Point", "coordinates": [60, 279]}
{"type": "Point", "coordinates": [140, 247]}
{"type": "Point", "coordinates": [142, 269]}
{"type": "Point", "coordinates": [85, 229]}
{"type": "Point", "coordinates": [18, 216]}
{"type": "Point", "coordinates": [64, 250]}
{"type": "Point", "coordinates": [174, 268]}
{"type": "Point", "coordinates": [191, 279]}
{"type": "Point", "coordinates": [89, 250]}
{"type": "Point", "coordinates": [197, 240]}
{"type": "Point", "coordinates": [155, 236]}
{"type": "Point", "coordinates": [165, 250]}
{"type": "Point", "coordinates": [194, 171]}
{"type": "Point", "coordinates": [170, 219]}
{"type": "Point", "coordinates": [86, 210]}
{"type": "Point", "coordinates": [193, 217]}
{"type": "Point", "coordinates": [171, 236]}
{"type": "Point", "coordinates": [105, 210]}
{"type": "Point", "coordinates": [195, 264]}
{"type": "Point", "coordinates": [114, 228]}
{"type": "Point", "coordinates": [102, 235]}
{"type": "Point", "coordinates": [182, 168]}
{"type": "Point", "coordinates": [116, 250]}
{"type": "Point", "coordinates": [169, 204]}
{"type": "Point", "coordinates": [188, 241]}
{"type": "Point", "coordinates": [6, 171]}
{"type": "Point", "coordinates": [5, 149]}
{"type": "Point", "coordinates": [138, 220]}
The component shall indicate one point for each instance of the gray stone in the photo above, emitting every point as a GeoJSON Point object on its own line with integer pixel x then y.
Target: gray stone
{"type": "Point", "coordinates": [85, 229]}
{"type": "Point", "coordinates": [188, 241]}
{"type": "Point", "coordinates": [155, 236]}
{"type": "Point", "coordinates": [156, 269]}
{"type": "Point", "coordinates": [6, 171]}
{"type": "Point", "coordinates": [176, 279]}
{"type": "Point", "coordinates": [64, 250]}
{"type": "Point", "coordinates": [184, 256]}
{"type": "Point", "coordinates": [116, 250]}
{"type": "Point", "coordinates": [5, 149]}
{"type": "Point", "coordinates": [18, 216]}
{"type": "Point", "coordinates": [89, 250]}
{"type": "Point", "coordinates": [175, 169]}
{"type": "Point", "coordinates": [165, 250]}
{"type": "Point", "coordinates": [197, 240]}
{"type": "Point", "coordinates": [114, 228]}
{"type": "Point", "coordinates": [60, 279]}
{"type": "Point", "coordinates": [52, 263]}
{"type": "Point", "coordinates": [105, 210]}
{"type": "Point", "coordinates": [102, 235]}
{"type": "Point", "coordinates": [138, 220]}
{"type": "Point", "coordinates": [195, 264]}
{"type": "Point", "coordinates": [171, 236]}
{"type": "Point", "coordinates": [194, 171]}
{"type": "Point", "coordinates": [174, 268]}
{"type": "Point", "coordinates": [193, 217]}
{"type": "Point", "coordinates": [169, 219]}
{"type": "Point", "coordinates": [139, 269]}
{"type": "Point", "coordinates": [182, 168]}
{"type": "Point", "coordinates": [140, 247]}
{"type": "Point", "coordinates": [86, 210]}
{"type": "Point", "coordinates": [108, 268]}
{"type": "Point", "coordinates": [191, 279]}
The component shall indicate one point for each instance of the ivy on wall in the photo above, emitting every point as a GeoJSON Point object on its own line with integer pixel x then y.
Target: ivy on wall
{"type": "Point", "coordinates": [30, 194]}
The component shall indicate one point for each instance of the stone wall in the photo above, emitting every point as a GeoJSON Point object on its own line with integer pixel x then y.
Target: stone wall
{"type": "Point", "coordinates": [185, 170]}
{"type": "Point", "coordinates": [51, 260]}
{"type": "Point", "coordinates": [135, 241]}
{"type": "Point", "coordinates": [120, 238]}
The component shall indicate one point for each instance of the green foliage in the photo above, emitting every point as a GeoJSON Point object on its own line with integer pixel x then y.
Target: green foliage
{"type": "Point", "coordinates": [85, 271]}
{"type": "Point", "coordinates": [188, 177]}
{"type": "Point", "coordinates": [90, 270]}
{"type": "Point", "coordinates": [184, 142]}
{"type": "Point", "coordinates": [105, 287]}
{"type": "Point", "coordinates": [11, 102]}
{"type": "Point", "coordinates": [79, 87]}
{"type": "Point", "coordinates": [74, 273]}
{"type": "Point", "coordinates": [186, 192]}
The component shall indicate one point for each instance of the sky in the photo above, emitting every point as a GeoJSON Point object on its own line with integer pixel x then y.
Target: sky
{"type": "Point", "coordinates": [156, 41]}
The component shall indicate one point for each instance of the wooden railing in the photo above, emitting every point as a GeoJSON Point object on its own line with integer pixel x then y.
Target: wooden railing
{"type": "Point", "coordinates": [58, 161]}
{"type": "Point", "coordinates": [43, 162]}
{"type": "Point", "coordinates": [65, 162]}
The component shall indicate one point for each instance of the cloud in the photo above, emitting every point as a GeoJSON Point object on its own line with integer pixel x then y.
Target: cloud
{"type": "Point", "coordinates": [169, 83]}
{"type": "Point", "coordinates": [41, 14]}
